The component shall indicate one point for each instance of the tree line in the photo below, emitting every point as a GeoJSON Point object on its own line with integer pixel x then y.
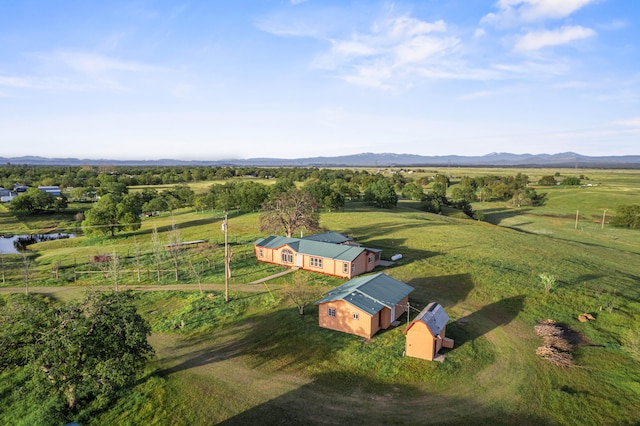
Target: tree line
{"type": "Point", "coordinates": [115, 208]}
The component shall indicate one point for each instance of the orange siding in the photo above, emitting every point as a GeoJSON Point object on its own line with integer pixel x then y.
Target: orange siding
{"type": "Point", "coordinates": [420, 342]}
{"type": "Point", "coordinates": [364, 326]}
{"type": "Point", "coordinates": [329, 266]}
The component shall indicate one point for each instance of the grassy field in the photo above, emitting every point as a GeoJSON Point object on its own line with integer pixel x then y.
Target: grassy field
{"type": "Point", "coordinates": [254, 360]}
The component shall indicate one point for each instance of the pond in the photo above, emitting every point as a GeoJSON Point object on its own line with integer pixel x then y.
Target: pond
{"type": "Point", "coordinates": [15, 244]}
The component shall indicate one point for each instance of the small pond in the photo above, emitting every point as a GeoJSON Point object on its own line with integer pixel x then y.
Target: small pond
{"type": "Point", "coordinates": [15, 244]}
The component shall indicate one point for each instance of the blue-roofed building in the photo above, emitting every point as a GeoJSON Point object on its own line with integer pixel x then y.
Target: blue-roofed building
{"type": "Point", "coordinates": [341, 260]}
{"type": "Point", "coordinates": [364, 305]}
{"type": "Point", "coordinates": [53, 190]}
{"type": "Point", "coordinates": [426, 333]}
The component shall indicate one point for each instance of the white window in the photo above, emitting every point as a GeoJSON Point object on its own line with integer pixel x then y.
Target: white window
{"type": "Point", "coordinates": [316, 262]}
{"type": "Point", "coordinates": [331, 312]}
{"type": "Point", "coordinates": [287, 256]}
{"type": "Point", "coordinates": [356, 316]}
{"type": "Point", "coordinates": [370, 259]}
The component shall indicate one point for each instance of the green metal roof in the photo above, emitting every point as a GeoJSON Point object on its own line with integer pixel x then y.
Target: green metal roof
{"type": "Point", "coordinates": [370, 293]}
{"type": "Point", "coordinates": [329, 237]}
{"type": "Point", "coordinates": [314, 248]}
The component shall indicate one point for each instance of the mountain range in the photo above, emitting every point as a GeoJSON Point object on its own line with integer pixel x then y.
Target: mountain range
{"type": "Point", "coordinates": [496, 159]}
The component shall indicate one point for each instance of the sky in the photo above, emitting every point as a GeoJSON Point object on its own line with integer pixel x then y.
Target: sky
{"type": "Point", "coordinates": [238, 79]}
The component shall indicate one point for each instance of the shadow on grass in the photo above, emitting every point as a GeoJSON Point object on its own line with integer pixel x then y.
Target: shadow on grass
{"type": "Point", "coordinates": [344, 398]}
{"type": "Point", "coordinates": [481, 322]}
{"type": "Point", "coordinates": [283, 341]}
{"type": "Point", "coordinates": [448, 290]}
{"type": "Point", "coordinates": [496, 215]}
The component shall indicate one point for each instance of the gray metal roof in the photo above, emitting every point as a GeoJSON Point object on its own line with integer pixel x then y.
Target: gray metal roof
{"type": "Point", "coordinates": [370, 293]}
{"type": "Point", "coordinates": [434, 316]}
{"type": "Point", "coordinates": [314, 248]}
{"type": "Point", "coordinates": [329, 237]}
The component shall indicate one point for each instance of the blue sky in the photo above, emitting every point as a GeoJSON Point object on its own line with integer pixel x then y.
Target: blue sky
{"type": "Point", "coordinates": [222, 79]}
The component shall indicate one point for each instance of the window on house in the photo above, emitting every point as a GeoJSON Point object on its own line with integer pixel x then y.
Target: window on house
{"type": "Point", "coordinates": [331, 312]}
{"type": "Point", "coordinates": [287, 256]}
{"type": "Point", "coordinates": [260, 252]}
{"type": "Point", "coordinates": [355, 316]}
{"type": "Point", "coordinates": [370, 259]}
{"type": "Point", "coordinates": [353, 268]}
{"type": "Point", "coordinates": [316, 262]}
{"type": "Point", "coordinates": [377, 256]}
{"type": "Point", "coordinates": [345, 268]}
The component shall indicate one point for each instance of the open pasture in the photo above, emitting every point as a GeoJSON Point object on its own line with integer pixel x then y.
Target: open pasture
{"type": "Point", "coordinates": [254, 360]}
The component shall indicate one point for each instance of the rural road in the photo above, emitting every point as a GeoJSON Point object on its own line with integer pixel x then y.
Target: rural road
{"type": "Point", "coordinates": [169, 287]}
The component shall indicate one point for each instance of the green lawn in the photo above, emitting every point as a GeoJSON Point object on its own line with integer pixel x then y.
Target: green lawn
{"type": "Point", "coordinates": [254, 360]}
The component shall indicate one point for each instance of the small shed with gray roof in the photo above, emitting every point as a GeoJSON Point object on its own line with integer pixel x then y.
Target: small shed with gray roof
{"type": "Point", "coordinates": [426, 333]}
{"type": "Point", "coordinates": [364, 305]}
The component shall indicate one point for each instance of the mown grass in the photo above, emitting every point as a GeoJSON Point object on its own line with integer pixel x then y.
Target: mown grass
{"type": "Point", "coordinates": [254, 360]}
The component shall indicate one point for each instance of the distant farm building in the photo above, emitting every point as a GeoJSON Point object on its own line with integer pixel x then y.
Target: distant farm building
{"type": "Point", "coordinates": [426, 333]}
{"type": "Point", "coordinates": [53, 190]}
{"type": "Point", "coordinates": [331, 258]}
{"type": "Point", "coordinates": [364, 305]}
{"type": "Point", "coordinates": [7, 195]}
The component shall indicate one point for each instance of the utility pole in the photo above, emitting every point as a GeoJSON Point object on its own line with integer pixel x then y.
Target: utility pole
{"type": "Point", "coordinates": [577, 214]}
{"type": "Point", "coordinates": [604, 214]}
{"type": "Point", "coordinates": [225, 228]}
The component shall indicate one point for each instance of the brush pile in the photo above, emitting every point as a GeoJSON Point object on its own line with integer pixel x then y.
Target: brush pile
{"type": "Point", "coordinates": [556, 347]}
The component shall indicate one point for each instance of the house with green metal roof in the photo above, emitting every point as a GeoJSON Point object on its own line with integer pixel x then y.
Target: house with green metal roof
{"type": "Point", "coordinates": [339, 260]}
{"type": "Point", "coordinates": [364, 305]}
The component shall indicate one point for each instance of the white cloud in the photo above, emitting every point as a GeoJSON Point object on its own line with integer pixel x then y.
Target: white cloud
{"type": "Point", "coordinates": [475, 95]}
{"type": "Point", "coordinates": [513, 12]}
{"type": "Point", "coordinates": [535, 40]}
{"type": "Point", "coordinates": [17, 82]}
{"type": "Point", "coordinates": [631, 122]}
{"type": "Point", "coordinates": [479, 33]}
{"type": "Point", "coordinates": [390, 52]}
{"type": "Point", "coordinates": [92, 63]}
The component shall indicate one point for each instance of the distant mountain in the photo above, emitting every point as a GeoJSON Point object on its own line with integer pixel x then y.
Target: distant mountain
{"type": "Point", "coordinates": [496, 159]}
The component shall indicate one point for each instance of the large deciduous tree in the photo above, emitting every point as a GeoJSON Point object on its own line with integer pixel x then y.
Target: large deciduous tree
{"type": "Point", "coordinates": [290, 212]}
{"type": "Point", "coordinates": [91, 348]}
{"type": "Point", "coordinates": [34, 200]}
{"type": "Point", "coordinates": [113, 213]}
{"type": "Point", "coordinates": [381, 193]}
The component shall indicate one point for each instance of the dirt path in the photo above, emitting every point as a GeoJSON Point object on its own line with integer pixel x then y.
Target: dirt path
{"type": "Point", "coordinates": [74, 291]}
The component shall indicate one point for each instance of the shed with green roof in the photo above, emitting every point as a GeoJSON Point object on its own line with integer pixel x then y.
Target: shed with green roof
{"type": "Point", "coordinates": [364, 305]}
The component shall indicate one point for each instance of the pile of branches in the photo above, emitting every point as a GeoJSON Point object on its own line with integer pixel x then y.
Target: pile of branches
{"type": "Point", "coordinates": [556, 347]}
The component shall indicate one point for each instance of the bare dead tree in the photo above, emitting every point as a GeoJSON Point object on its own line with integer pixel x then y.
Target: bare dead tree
{"type": "Point", "coordinates": [114, 269]}
{"type": "Point", "coordinates": [300, 292]}
{"type": "Point", "coordinates": [56, 269]}
{"type": "Point", "coordinates": [175, 247]}
{"type": "Point", "coordinates": [3, 265]}
{"type": "Point", "coordinates": [26, 268]}
{"type": "Point", "coordinates": [195, 272]}
{"type": "Point", "coordinates": [157, 250]}
{"type": "Point", "coordinates": [290, 211]}
{"type": "Point", "coordinates": [137, 253]}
